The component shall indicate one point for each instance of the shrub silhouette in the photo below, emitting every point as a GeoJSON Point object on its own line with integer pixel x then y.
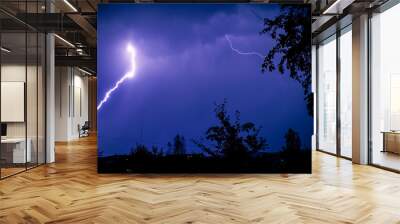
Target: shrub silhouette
{"type": "Point", "coordinates": [230, 138]}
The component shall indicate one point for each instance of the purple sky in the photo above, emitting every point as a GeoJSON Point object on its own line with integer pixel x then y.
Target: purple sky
{"type": "Point", "coordinates": [184, 65]}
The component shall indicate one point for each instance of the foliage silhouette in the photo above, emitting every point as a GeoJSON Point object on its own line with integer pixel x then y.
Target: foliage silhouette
{"type": "Point", "coordinates": [291, 31]}
{"type": "Point", "coordinates": [157, 151]}
{"type": "Point", "coordinates": [141, 152]}
{"type": "Point", "coordinates": [232, 139]}
{"type": "Point", "coordinates": [292, 142]}
{"type": "Point", "coordinates": [179, 147]}
{"type": "Point", "coordinates": [292, 153]}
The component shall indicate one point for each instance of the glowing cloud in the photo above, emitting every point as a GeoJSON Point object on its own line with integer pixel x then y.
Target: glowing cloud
{"type": "Point", "coordinates": [243, 53]}
{"type": "Point", "coordinates": [130, 74]}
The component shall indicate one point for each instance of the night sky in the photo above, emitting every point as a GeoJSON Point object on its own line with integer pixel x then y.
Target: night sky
{"type": "Point", "coordinates": [184, 66]}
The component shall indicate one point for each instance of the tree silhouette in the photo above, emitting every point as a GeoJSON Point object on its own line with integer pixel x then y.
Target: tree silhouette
{"type": "Point", "coordinates": [141, 152]}
{"type": "Point", "coordinates": [158, 152]}
{"type": "Point", "coordinates": [291, 31]}
{"type": "Point", "coordinates": [292, 142]}
{"type": "Point", "coordinates": [231, 139]}
{"type": "Point", "coordinates": [179, 146]}
{"type": "Point", "coordinates": [292, 155]}
{"type": "Point", "coordinates": [169, 148]}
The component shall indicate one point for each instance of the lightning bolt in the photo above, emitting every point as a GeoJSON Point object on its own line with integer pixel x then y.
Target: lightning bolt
{"type": "Point", "coordinates": [243, 53]}
{"type": "Point", "coordinates": [130, 74]}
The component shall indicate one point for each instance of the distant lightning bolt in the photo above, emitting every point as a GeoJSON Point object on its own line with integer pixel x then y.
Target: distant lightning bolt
{"type": "Point", "coordinates": [243, 53]}
{"type": "Point", "coordinates": [128, 75]}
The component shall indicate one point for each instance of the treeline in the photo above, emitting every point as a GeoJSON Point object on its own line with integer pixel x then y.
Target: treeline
{"type": "Point", "coordinates": [228, 146]}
